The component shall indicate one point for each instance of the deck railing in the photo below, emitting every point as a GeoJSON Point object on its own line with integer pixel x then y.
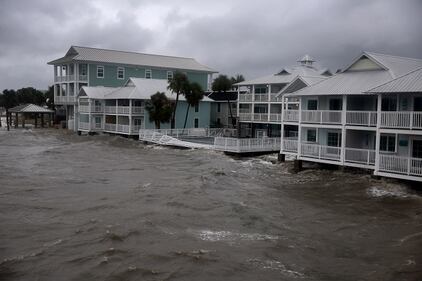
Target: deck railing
{"type": "Point", "coordinates": [261, 97]}
{"type": "Point", "coordinates": [84, 125]}
{"type": "Point", "coordinates": [291, 115]}
{"type": "Point", "coordinates": [361, 118]}
{"type": "Point", "coordinates": [190, 132]}
{"type": "Point", "coordinates": [122, 128]}
{"type": "Point", "coordinates": [123, 110]}
{"type": "Point", "coordinates": [110, 109]}
{"type": "Point", "coordinates": [109, 127]}
{"type": "Point", "coordinates": [400, 165]}
{"type": "Point", "coordinates": [401, 119]}
{"type": "Point", "coordinates": [247, 144]}
{"type": "Point", "coordinates": [64, 99]}
{"type": "Point", "coordinates": [138, 110]}
{"type": "Point", "coordinates": [321, 116]}
{"type": "Point", "coordinates": [274, 97]}
{"type": "Point", "coordinates": [245, 97]}
{"type": "Point", "coordinates": [275, 117]}
{"type": "Point", "coordinates": [290, 145]}
{"type": "Point", "coordinates": [93, 108]}
{"type": "Point", "coordinates": [260, 117]}
{"type": "Point", "coordinates": [360, 156]}
{"type": "Point", "coordinates": [320, 151]}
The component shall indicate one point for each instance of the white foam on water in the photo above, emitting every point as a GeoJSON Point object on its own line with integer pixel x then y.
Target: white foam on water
{"type": "Point", "coordinates": [276, 266]}
{"type": "Point", "coordinates": [390, 190]}
{"type": "Point", "coordinates": [214, 236]}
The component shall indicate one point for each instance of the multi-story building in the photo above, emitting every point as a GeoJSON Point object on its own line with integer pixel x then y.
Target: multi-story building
{"type": "Point", "coordinates": [259, 108]}
{"type": "Point", "coordinates": [223, 109]}
{"type": "Point", "coordinates": [121, 110]}
{"type": "Point", "coordinates": [83, 66]}
{"type": "Point", "coordinates": [368, 116]}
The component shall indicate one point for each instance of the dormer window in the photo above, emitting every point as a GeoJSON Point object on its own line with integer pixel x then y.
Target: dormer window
{"type": "Point", "coordinates": [100, 71]}
{"type": "Point", "coordinates": [148, 74]}
{"type": "Point", "coordinates": [120, 73]}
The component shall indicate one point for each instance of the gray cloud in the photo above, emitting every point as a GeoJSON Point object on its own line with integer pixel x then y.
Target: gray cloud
{"type": "Point", "coordinates": [249, 37]}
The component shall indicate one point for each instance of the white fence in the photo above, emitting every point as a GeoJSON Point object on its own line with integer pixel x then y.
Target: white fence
{"type": "Point", "coordinates": [401, 119]}
{"type": "Point", "coordinates": [291, 115]}
{"type": "Point", "coordinates": [290, 145]}
{"type": "Point", "coordinates": [64, 99]}
{"type": "Point", "coordinates": [361, 118]}
{"type": "Point", "coordinates": [400, 165]}
{"type": "Point", "coordinates": [360, 156]}
{"type": "Point", "coordinates": [320, 151]}
{"type": "Point", "coordinates": [245, 97]}
{"type": "Point", "coordinates": [321, 116]}
{"type": "Point", "coordinates": [189, 132]}
{"type": "Point", "coordinates": [247, 145]}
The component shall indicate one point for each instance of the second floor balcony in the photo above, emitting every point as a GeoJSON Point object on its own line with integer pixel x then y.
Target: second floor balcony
{"type": "Point", "coordinates": [71, 78]}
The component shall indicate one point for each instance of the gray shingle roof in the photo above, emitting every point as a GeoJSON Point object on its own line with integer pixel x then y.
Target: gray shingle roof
{"type": "Point", "coordinates": [359, 82]}
{"type": "Point", "coordinates": [408, 83]}
{"type": "Point", "coordinates": [77, 53]}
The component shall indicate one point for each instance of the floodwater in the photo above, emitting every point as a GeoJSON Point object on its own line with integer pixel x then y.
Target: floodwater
{"type": "Point", "coordinates": [109, 208]}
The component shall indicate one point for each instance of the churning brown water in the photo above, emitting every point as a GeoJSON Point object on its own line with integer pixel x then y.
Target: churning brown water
{"type": "Point", "coordinates": [110, 208]}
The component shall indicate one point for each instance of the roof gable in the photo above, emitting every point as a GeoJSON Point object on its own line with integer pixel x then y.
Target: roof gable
{"type": "Point", "coordinates": [364, 63]}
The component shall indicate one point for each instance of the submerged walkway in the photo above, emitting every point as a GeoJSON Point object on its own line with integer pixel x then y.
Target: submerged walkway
{"type": "Point", "coordinates": [217, 139]}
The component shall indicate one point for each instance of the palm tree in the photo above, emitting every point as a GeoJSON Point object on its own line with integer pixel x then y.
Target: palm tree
{"type": "Point", "coordinates": [193, 97]}
{"type": "Point", "coordinates": [237, 79]}
{"type": "Point", "coordinates": [179, 85]}
{"type": "Point", "coordinates": [159, 109]}
{"type": "Point", "coordinates": [9, 100]}
{"type": "Point", "coordinates": [222, 84]}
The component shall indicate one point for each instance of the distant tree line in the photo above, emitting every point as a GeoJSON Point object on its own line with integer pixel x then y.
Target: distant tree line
{"type": "Point", "coordinates": [12, 98]}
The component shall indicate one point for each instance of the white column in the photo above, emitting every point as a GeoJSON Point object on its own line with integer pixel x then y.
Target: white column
{"type": "Point", "coordinates": [282, 124]}
{"type": "Point", "coordinates": [130, 117]}
{"type": "Point", "coordinates": [378, 135]}
{"type": "Point", "coordinates": [343, 129]}
{"type": "Point", "coordinates": [238, 105]}
{"type": "Point", "coordinates": [89, 114]}
{"type": "Point", "coordinates": [299, 129]}
{"type": "Point", "coordinates": [269, 102]}
{"type": "Point", "coordinates": [117, 116]}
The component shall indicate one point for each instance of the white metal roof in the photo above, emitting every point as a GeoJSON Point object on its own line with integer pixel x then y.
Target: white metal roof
{"type": "Point", "coordinates": [77, 53]}
{"type": "Point", "coordinates": [286, 75]}
{"type": "Point", "coordinates": [30, 108]}
{"type": "Point", "coordinates": [351, 82]}
{"type": "Point", "coordinates": [135, 88]}
{"type": "Point", "coordinates": [408, 83]}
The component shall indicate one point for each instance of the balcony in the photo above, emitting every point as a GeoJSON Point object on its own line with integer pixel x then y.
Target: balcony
{"type": "Point", "coordinates": [401, 119]}
{"type": "Point", "coordinates": [124, 110]}
{"type": "Point", "coordinates": [275, 117]}
{"type": "Point", "coordinates": [290, 145]}
{"type": "Point", "coordinates": [320, 151]}
{"type": "Point", "coordinates": [245, 98]}
{"type": "Point", "coordinates": [91, 109]}
{"type": "Point", "coordinates": [400, 165]}
{"type": "Point", "coordinates": [321, 116]}
{"type": "Point", "coordinates": [291, 115]}
{"type": "Point", "coordinates": [360, 156]}
{"type": "Point", "coordinates": [261, 98]}
{"type": "Point", "coordinates": [361, 118]}
{"type": "Point", "coordinates": [274, 98]}
{"type": "Point", "coordinates": [64, 99]}
{"type": "Point", "coordinates": [247, 144]}
{"type": "Point", "coordinates": [71, 77]}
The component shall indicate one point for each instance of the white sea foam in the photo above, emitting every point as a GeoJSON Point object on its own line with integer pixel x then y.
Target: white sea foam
{"type": "Point", "coordinates": [390, 190]}
{"type": "Point", "coordinates": [277, 266]}
{"type": "Point", "coordinates": [213, 236]}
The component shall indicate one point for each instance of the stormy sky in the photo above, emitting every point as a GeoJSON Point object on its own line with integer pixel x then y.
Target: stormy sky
{"type": "Point", "coordinates": [254, 38]}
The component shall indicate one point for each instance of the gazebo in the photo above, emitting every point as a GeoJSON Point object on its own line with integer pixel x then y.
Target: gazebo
{"type": "Point", "coordinates": [26, 109]}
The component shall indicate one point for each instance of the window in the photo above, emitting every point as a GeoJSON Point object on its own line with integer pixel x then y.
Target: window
{"type": "Point", "coordinates": [169, 75]}
{"type": "Point", "coordinates": [148, 74]}
{"type": "Point", "coordinates": [100, 71]}
{"type": "Point", "coordinates": [335, 104]}
{"type": "Point", "coordinates": [388, 143]}
{"type": "Point", "coordinates": [83, 69]}
{"type": "Point", "coordinates": [311, 135]}
{"type": "Point", "coordinates": [120, 73]}
{"type": "Point", "coordinates": [260, 90]}
{"type": "Point", "coordinates": [196, 123]}
{"type": "Point", "coordinates": [333, 139]}
{"type": "Point", "coordinates": [197, 107]}
{"type": "Point", "coordinates": [389, 104]}
{"type": "Point", "coordinates": [218, 107]}
{"type": "Point", "coordinates": [312, 104]}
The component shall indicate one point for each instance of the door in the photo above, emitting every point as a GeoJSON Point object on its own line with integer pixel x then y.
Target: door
{"type": "Point", "coordinates": [335, 104]}
{"type": "Point", "coordinates": [417, 148]}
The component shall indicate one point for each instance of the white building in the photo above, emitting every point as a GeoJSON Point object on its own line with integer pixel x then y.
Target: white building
{"type": "Point", "coordinates": [367, 116]}
{"type": "Point", "coordinates": [259, 109]}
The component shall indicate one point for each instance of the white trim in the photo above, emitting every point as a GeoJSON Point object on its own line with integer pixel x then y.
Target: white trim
{"type": "Point", "coordinates": [101, 67]}
{"type": "Point", "coordinates": [117, 73]}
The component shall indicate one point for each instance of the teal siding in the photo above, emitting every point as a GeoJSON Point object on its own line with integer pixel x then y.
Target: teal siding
{"type": "Point", "coordinates": [203, 115]}
{"type": "Point", "coordinates": [200, 78]}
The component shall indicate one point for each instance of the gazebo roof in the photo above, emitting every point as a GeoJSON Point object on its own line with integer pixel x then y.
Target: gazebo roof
{"type": "Point", "coordinates": [29, 108]}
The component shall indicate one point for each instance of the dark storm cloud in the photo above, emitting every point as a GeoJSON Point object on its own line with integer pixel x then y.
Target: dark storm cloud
{"type": "Point", "coordinates": [249, 37]}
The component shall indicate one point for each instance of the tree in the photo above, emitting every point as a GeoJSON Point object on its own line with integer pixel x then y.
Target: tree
{"type": "Point", "coordinates": [237, 79]}
{"type": "Point", "coordinates": [193, 96]}
{"type": "Point", "coordinates": [159, 109]}
{"type": "Point", "coordinates": [223, 84]}
{"type": "Point", "coordinates": [49, 98]}
{"type": "Point", "coordinates": [9, 100]}
{"type": "Point", "coordinates": [179, 85]}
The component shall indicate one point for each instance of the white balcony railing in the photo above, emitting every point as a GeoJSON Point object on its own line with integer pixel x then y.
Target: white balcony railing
{"type": "Point", "coordinates": [123, 109]}
{"type": "Point", "coordinates": [93, 108]}
{"type": "Point", "coordinates": [110, 109]}
{"type": "Point", "coordinates": [245, 97]}
{"type": "Point", "coordinates": [274, 98]}
{"type": "Point", "coordinates": [291, 115]}
{"type": "Point", "coordinates": [245, 116]}
{"type": "Point", "coordinates": [260, 117]}
{"type": "Point", "coordinates": [64, 99]}
{"type": "Point", "coordinates": [321, 116]}
{"type": "Point", "coordinates": [275, 117]}
{"type": "Point", "coordinates": [138, 110]}
{"type": "Point", "coordinates": [261, 97]}
{"type": "Point", "coordinates": [400, 165]}
{"type": "Point", "coordinates": [361, 118]}
{"type": "Point", "coordinates": [83, 77]}
{"type": "Point", "coordinates": [109, 127]}
{"type": "Point", "coordinates": [360, 156]}
{"type": "Point", "coordinates": [247, 144]}
{"type": "Point", "coordinates": [401, 119]}
{"type": "Point", "coordinates": [84, 125]}
{"type": "Point", "coordinates": [122, 128]}
{"type": "Point", "coordinates": [290, 145]}
{"type": "Point", "coordinates": [320, 151]}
